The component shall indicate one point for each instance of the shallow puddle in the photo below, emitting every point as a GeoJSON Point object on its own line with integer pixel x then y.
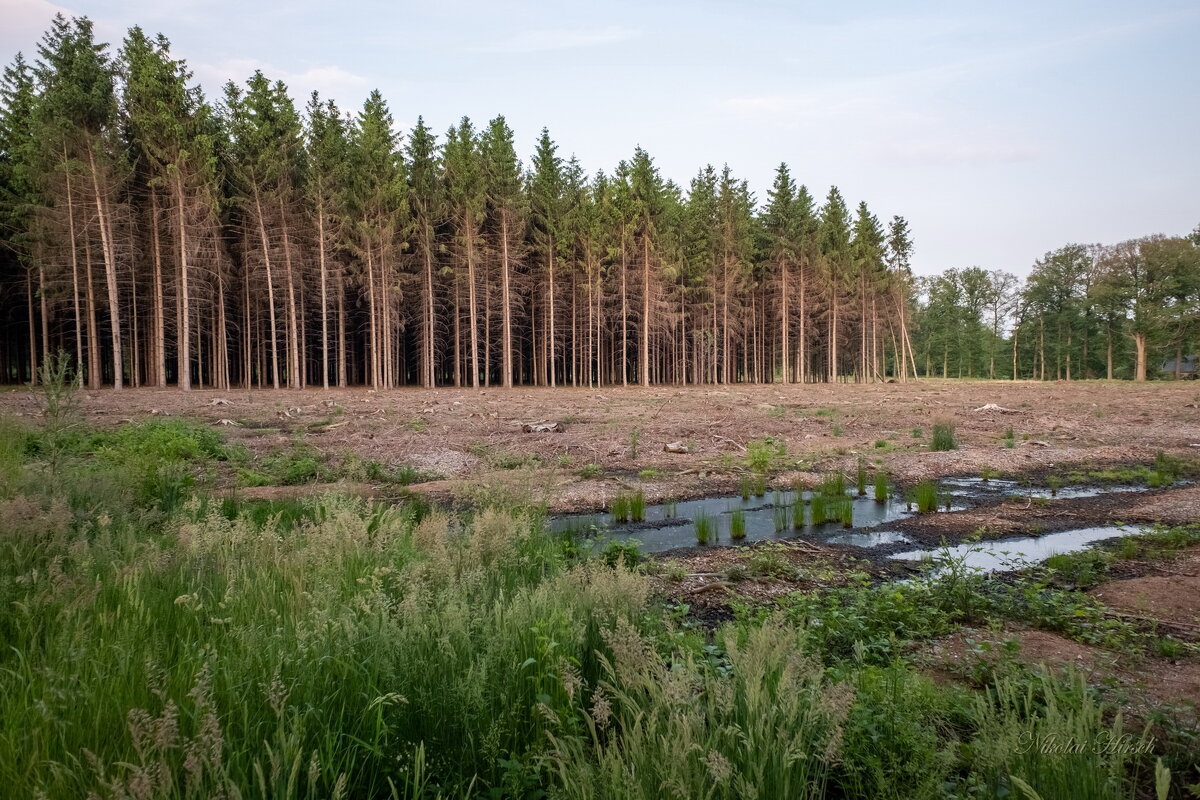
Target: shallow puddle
{"type": "Point", "coordinates": [671, 525]}
{"type": "Point", "coordinates": [1009, 554]}
{"type": "Point", "coordinates": [993, 488]}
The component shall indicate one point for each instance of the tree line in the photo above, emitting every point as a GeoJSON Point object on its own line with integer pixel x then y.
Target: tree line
{"type": "Point", "coordinates": [162, 238]}
{"type": "Point", "coordinates": [165, 239]}
{"type": "Point", "coordinates": [1128, 310]}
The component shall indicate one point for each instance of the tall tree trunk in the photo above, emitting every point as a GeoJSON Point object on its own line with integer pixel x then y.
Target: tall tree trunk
{"type": "Point", "coordinates": [644, 349]}
{"type": "Point", "coordinates": [95, 368]}
{"type": "Point", "coordinates": [506, 364]}
{"type": "Point", "coordinates": [1139, 341]}
{"type": "Point", "coordinates": [104, 221]}
{"type": "Point", "coordinates": [323, 275]}
{"type": "Point", "coordinates": [472, 302]}
{"type": "Point", "coordinates": [428, 376]}
{"type": "Point", "coordinates": [266, 250]}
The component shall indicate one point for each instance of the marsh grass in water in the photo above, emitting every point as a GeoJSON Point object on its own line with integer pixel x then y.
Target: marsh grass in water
{"type": "Point", "coordinates": [926, 496]}
{"type": "Point", "coordinates": [737, 525]}
{"type": "Point", "coordinates": [705, 528]}
{"type": "Point", "coordinates": [637, 506]}
{"type": "Point", "coordinates": [881, 486]}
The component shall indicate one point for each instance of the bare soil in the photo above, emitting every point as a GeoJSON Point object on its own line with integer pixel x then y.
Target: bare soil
{"type": "Point", "coordinates": [473, 437]}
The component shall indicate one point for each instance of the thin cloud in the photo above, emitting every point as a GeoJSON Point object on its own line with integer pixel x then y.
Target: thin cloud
{"type": "Point", "coordinates": [537, 41]}
{"type": "Point", "coordinates": [328, 80]}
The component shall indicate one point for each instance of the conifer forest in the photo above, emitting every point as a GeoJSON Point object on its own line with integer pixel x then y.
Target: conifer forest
{"type": "Point", "coordinates": [164, 238]}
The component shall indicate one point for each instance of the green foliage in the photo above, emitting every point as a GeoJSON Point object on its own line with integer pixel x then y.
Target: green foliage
{"type": "Point", "coordinates": [761, 454]}
{"type": "Point", "coordinates": [881, 486]}
{"type": "Point", "coordinates": [589, 471]}
{"type": "Point", "coordinates": [861, 478]}
{"type": "Point", "coordinates": [705, 528]}
{"type": "Point", "coordinates": [1010, 438]}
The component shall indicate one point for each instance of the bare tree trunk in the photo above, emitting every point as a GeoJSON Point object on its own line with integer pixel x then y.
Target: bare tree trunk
{"type": "Point", "coordinates": [340, 288]}
{"type": "Point", "coordinates": [644, 350]}
{"type": "Point", "coordinates": [323, 275]}
{"type": "Point", "coordinates": [472, 303]}
{"type": "Point", "coordinates": [74, 272]}
{"type": "Point", "coordinates": [110, 271]}
{"type": "Point", "coordinates": [94, 374]}
{"type": "Point", "coordinates": [506, 364]}
{"type": "Point", "coordinates": [1139, 341]}
{"type": "Point", "coordinates": [428, 376]}
{"type": "Point", "coordinates": [293, 328]}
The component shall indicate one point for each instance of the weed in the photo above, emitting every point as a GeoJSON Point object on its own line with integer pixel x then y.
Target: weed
{"type": "Point", "coordinates": [637, 506]}
{"type": "Point", "coordinates": [744, 487]}
{"type": "Point", "coordinates": [926, 496]}
{"type": "Point", "coordinates": [861, 478]}
{"type": "Point", "coordinates": [589, 471]}
{"type": "Point", "coordinates": [943, 437]}
{"type": "Point", "coordinates": [918, 433]}
{"type": "Point", "coordinates": [635, 436]}
{"type": "Point", "coordinates": [837, 430]}
{"type": "Point", "coordinates": [650, 474]}
{"type": "Point", "coordinates": [737, 525]}
{"type": "Point", "coordinates": [670, 507]}
{"type": "Point", "coordinates": [987, 473]}
{"type": "Point", "coordinates": [881, 486]}
{"type": "Point", "coordinates": [759, 486]}
{"type": "Point", "coordinates": [782, 516]}
{"type": "Point", "coordinates": [817, 509]}
{"type": "Point", "coordinates": [704, 528]}
{"type": "Point", "coordinates": [619, 508]}
{"type": "Point", "coordinates": [1054, 483]}
{"type": "Point", "coordinates": [1010, 438]}
{"type": "Point", "coordinates": [625, 553]}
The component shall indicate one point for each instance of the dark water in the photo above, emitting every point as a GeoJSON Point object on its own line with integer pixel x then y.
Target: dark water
{"type": "Point", "coordinates": [771, 518]}
{"type": "Point", "coordinates": [978, 488]}
{"type": "Point", "coordinates": [667, 527]}
{"type": "Point", "coordinates": [1009, 554]}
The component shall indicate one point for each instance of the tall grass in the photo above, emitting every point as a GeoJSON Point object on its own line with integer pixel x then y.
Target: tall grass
{"type": "Point", "coordinates": [861, 478]}
{"type": "Point", "coordinates": [926, 496]}
{"type": "Point", "coordinates": [943, 437]}
{"type": "Point", "coordinates": [619, 508]}
{"type": "Point", "coordinates": [705, 528]}
{"type": "Point", "coordinates": [637, 506]}
{"type": "Point", "coordinates": [881, 486]}
{"type": "Point", "coordinates": [737, 525]}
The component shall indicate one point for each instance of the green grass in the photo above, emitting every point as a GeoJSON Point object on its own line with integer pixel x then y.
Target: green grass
{"type": "Point", "coordinates": [619, 508]}
{"type": "Point", "coordinates": [861, 478]}
{"type": "Point", "coordinates": [926, 496]}
{"type": "Point", "coordinates": [943, 437]}
{"type": "Point", "coordinates": [881, 486]}
{"type": "Point", "coordinates": [637, 507]}
{"type": "Point", "coordinates": [588, 471]}
{"type": "Point", "coordinates": [737, 525]}
{"type": "Point", "coordinates": [705, 528]}
{"type": "Point", "coordinates": [335, 647]}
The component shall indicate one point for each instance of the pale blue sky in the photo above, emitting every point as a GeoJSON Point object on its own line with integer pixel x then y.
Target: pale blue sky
{"type": "Point", "coordinates": [1001, 130]}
